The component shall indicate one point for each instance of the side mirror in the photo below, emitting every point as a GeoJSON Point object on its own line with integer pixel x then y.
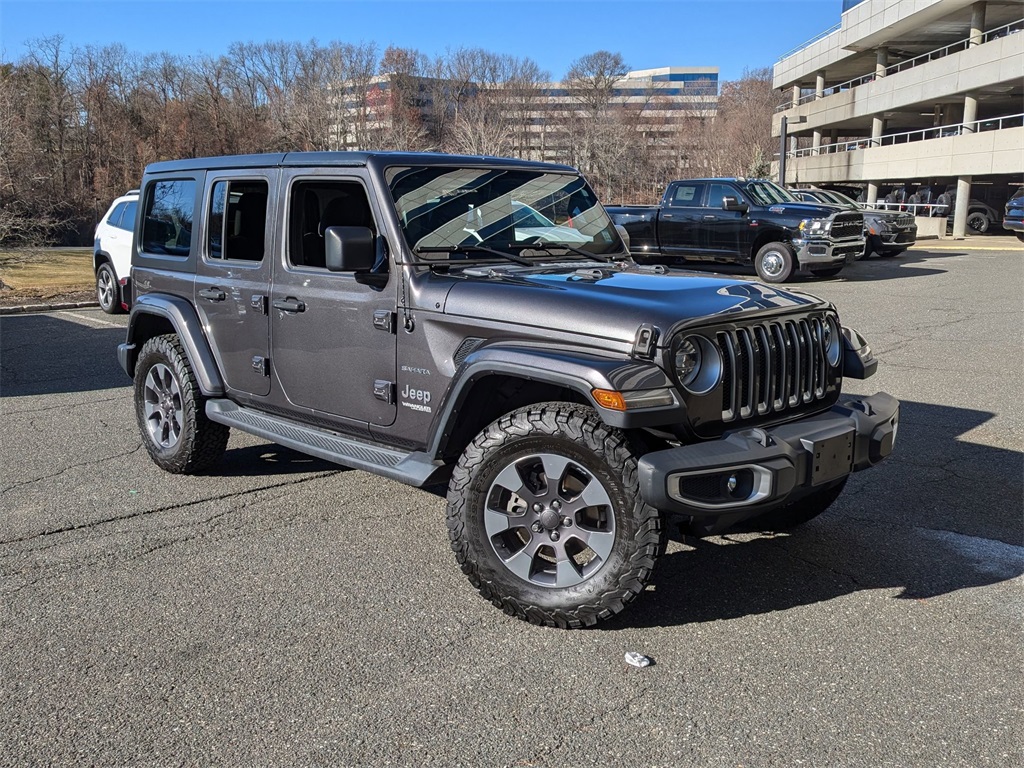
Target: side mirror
{"type": "Point", "coordinates": [349, 249]}
{"type": "Point", "coordinates": [733, 204]}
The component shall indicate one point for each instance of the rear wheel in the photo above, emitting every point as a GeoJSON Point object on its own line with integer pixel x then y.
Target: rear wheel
{"type": "Point", "coordinates": [775, 262]}
{"type": "Point", "coordinates": [799, 512]}
{"type": "Point", "coordinates": [171, 410]}
{"type": "Point", "coordinates": [546, 520]}
{"type": "Point", "coordinates": [978, 222]}
{"type": "Point", "coordinates": [107, 292]}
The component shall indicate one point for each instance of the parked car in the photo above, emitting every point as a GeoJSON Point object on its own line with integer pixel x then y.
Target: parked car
{"type": "Point", "coordinates": [889, 233]}
{"type": "Point", "coordinates": [112, 251]}
{"type": "Point", "coordinates": [745, 221]}
{"type": "Point", "coordinates": [576, 403]}
{"type": "Point", "coordinates": [938, 201]}
{"type": "Point", "coordinates": [1013, 218]}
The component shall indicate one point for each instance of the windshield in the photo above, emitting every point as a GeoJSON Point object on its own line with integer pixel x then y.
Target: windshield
{"type": "Point", "coordinates": [838, 198]}
{"type": "Point", "coordinates": [443, 208]}
{"type": "Point", "coordinates": [768, 193]}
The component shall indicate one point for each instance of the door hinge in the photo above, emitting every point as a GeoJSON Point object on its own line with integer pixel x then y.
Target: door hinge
{"type": "Point", "coordinates": [261, 365]}
{"type": "Point", "coordinates": [384, 320]}
{"type": "Point", "coordinates": [384, 390]}
{"type": "Point", "coordinates": [259, 303]}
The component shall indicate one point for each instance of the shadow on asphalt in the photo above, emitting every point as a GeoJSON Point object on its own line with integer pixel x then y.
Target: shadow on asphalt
{"type": "Point", "coordinates": [45, 354]}
{"type": "Point", "coordinates": [940, 515]}
{"type": "Point", "coordinates": [269, 460]}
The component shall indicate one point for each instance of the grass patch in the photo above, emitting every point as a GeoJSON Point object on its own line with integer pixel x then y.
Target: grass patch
{"type": "Point", "coordinates": [47, 272]}
{"type": "Point", "coordinates": [43, 276]}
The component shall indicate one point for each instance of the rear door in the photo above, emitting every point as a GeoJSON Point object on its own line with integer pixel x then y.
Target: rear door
{"type": "Point", "coordinates": [679, 220]}
{"type": "Point", "coordinates": [233, 274]}
{"type": "Point", "coordinates": [727, 232]}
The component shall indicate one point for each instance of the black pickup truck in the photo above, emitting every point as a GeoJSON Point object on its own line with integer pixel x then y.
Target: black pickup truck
{"type": "Point", "coordinates": [746, 221]}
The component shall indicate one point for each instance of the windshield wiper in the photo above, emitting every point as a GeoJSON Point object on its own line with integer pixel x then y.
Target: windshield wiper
{"type": "Point", "coordinates": [473, 249]}
{"type": "Point", "coordinates": [546, 248]}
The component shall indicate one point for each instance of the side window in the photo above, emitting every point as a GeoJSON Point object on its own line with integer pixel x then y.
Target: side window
{"type": "Point", "coordinates": [237, 226]}
{"type": "Point", "coordinates": [687, 195]}
{"type": "Point", "coordinates": [167, 228]}
{"type": "Point", "coordinates": [718, 192]}
{"type": "Point", "coordinates": [114, 219]}
{"type": "Point", "coordinates": [316, 205]}
{"type": "Point", "coordinates": [127, 220]}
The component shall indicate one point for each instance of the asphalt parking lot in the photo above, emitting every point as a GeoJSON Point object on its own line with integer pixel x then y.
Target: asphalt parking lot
{"type": "Point", "coordinates": [288, 611]}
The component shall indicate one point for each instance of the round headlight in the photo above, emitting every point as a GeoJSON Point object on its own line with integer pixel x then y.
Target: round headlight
{"type": "Point", "coordinates": [697, 363]}
{"type": "Point", "coordinates": [687, 360]}
{"type": "Point", "coordinates": [831, 342]}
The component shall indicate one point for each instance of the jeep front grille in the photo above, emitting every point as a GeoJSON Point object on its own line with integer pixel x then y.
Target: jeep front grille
{"type": "Point", "coordinates": [850, 224]}
{"type": "Point", "coordinates": [772, 367]}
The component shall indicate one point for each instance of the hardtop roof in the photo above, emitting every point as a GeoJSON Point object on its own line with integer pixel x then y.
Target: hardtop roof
{"type": "Point", "coordinates": [346, 160]}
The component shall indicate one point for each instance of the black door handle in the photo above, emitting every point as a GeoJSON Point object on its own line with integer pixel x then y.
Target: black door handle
{"type": "Point", "coordinates": [213, 294]}
{"type": "Point", "coordinates": [289, 305]}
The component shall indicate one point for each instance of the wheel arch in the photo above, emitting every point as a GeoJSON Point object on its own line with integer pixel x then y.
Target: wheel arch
{"type": "Point", "coordinates": [497, 380]}
{"type": "Point", "coordinates": [99, 258]}
{"type": "Point", "coordinates": [772, 235]}
{"type": "Point", "coordinates": [157, 314]}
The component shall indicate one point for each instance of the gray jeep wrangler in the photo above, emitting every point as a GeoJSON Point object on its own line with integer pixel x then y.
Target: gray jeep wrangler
{"type": "Point", "coordinates": [478, 321]}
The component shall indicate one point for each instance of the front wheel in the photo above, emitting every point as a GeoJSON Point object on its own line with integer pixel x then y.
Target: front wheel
{"type": "Point", "coordinates": [546, 520]}
{"type": "Point", "coordinates": [775, 262]}
{"type": "Point", "coordinates": [171, 410]}
{"type": "Point", "coordinates": [799, 512]}
{"type": "Point", "coordinates": [107, 291]}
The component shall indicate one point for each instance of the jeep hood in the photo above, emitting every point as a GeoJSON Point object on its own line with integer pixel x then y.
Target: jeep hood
{"type": "Point", "coordinates": [612, 303]}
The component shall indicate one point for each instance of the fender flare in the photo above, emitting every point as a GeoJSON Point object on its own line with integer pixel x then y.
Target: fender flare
{"type": "Point", "coordinates": [182, 316]}
{"type": "Point", "coordinates": [578, 371]}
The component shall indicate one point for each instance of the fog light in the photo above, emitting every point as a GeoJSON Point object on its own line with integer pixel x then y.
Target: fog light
{"type": "Point", "coordinates": [731, 483]}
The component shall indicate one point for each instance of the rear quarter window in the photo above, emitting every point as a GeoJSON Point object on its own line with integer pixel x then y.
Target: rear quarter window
{"type": "Point", "coordinates": [167, 223]}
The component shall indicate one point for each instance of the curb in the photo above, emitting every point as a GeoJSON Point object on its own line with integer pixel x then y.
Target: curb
{"type": "Point", "coordinates": [26, 308]}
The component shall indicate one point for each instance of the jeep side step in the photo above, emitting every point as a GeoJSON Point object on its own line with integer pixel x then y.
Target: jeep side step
{"type": "Point", "coordinates": [415, 468]}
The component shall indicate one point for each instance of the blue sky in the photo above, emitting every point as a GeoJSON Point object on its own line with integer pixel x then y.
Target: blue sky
{"type": "Point", "coordinates": [730, 34]}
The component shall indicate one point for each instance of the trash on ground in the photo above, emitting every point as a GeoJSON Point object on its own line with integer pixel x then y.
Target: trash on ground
{"type": "Point", "coordinates": [637, 659]}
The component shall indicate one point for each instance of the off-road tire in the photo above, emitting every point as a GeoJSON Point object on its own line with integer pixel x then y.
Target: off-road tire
{"type": "Point", "coordinates": [201, 442]}
{"type": "Point", "coordinates": [799, 512]}
{"type": "Point", "coordinates": [573, 432]}
{"type": "Point", "coordinates": [108, 292]}
{"type": "Point", "coordinates": [775, 262]}
{"type": "Point", "coordinates": [978, 222]}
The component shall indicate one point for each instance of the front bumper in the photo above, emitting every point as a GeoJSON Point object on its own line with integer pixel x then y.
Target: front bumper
{"type": "Point", "coordinates": [750, 471]}
{"type": "Point", "coordinates": [824, 252]}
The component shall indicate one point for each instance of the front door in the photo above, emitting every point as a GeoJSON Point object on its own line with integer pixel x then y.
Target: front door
{"type": "Point", "coordinates": [328, 353]}
{"type": "Point", "coordinates": [233, 275]}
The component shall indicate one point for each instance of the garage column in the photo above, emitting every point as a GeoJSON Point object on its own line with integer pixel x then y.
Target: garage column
{"type": "Point", "coordinates": [970, 112]}
{"type": "Point", "coordinates": [877, 126]}
{"type": "Point", "coordinates": [819, 84]}
{"type": "Point", "coordinates": [796, 94]}
{"type": "Point", "coordinates": [816, 141]}
{"type": "Point", "coordinates": [881, 61]}
{"type": "Point", "coordinates": [977, 24]}
{"type": "Point", "coordinates": [963, 198]}
{"type": "Point", "coordinates": [872, 193]}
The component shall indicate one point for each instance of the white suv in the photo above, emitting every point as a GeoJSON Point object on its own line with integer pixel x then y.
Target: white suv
{"type": "Point", "coordinates": [112, 253]}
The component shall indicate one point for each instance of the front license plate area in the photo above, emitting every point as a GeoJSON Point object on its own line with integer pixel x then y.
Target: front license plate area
{"type": "Point", "coordinates": [830, 457]}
